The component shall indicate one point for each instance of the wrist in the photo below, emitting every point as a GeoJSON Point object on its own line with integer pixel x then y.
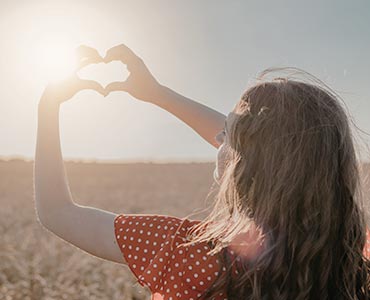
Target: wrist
{"type": "Point", "coordinates": [160, 93]}
{"type": "Point", "coordinates": [48, 103]}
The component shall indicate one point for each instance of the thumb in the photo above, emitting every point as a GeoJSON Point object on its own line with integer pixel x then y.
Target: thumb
{"type": "Point", "coordinates": [92, 85]}
{"type": "Point", "coordinates": [116, 86]}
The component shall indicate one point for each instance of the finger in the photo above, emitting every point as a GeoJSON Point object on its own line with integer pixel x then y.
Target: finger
{"type": "Point", "coordinates": [83, 63]}
{"type": "Point", "coordinates": [86, 51]}
{"type": "Point", "coordinates": [91, 85]}
{"type": "Point", "coordinates": [116, 86]}
{"type": "Point", "coordinates": [86, 55]}
{"type": "Point", "coordinates": [112, 54]}
{"type": "Point", "coordinates": [120, 52]}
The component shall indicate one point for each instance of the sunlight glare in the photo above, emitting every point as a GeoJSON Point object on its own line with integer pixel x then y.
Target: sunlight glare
{"type": "Point", "coordinates": [55, 58]}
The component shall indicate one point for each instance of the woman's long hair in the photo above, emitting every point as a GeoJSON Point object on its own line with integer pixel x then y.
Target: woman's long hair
{"type": "Point", "coordinates": [292, 176]}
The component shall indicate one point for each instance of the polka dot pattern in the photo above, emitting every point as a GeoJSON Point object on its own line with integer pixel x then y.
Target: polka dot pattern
{"type": "Point", "coordinates": [150, 245]}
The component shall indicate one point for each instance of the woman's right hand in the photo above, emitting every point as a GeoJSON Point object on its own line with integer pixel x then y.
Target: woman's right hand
{"type": "Point", "coordinates": [140, 83]}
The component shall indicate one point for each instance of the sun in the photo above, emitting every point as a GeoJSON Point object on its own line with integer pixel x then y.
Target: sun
{"type": "Point", "coordinates": [54, 57]}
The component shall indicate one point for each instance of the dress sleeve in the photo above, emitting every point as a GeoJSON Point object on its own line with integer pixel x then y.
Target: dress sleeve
{"type": "Point", "coordinates": [147, 243]}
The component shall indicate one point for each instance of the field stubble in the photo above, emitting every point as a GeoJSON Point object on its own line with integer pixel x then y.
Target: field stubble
{"type": "Point", "coordinates": [35, 264]}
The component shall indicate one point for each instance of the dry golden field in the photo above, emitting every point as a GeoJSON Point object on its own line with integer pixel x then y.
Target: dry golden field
{"type": "Point", "coordinates": [36, 264]}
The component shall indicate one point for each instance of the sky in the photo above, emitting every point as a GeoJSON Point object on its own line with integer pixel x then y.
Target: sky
{"type": "Point", "coordinates": [209, 51]}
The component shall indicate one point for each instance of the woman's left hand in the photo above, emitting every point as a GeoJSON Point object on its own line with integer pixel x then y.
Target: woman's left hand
{"type": "Point", "coordinates": [63, 90]}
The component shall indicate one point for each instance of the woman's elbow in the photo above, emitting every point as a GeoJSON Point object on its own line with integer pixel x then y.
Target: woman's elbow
{"type": "Point", "coordinates": [41, 217]}
{"type": "Point", "coordinates": [44, 213]}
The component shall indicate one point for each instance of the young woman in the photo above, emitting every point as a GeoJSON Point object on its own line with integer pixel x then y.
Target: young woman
{"type": "Point", "coordinates": [288, 220]}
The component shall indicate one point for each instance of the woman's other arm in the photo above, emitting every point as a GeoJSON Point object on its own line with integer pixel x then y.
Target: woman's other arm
{"type": "Point", "coordinates": [206, 121]}
{"type": "Point", "coordinates": [142, 85]}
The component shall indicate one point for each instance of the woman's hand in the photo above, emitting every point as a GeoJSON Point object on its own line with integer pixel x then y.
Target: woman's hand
{"type": "Point", "coordinates": [140, 83]}
{"type": "Point", "coordinates": [63, 90]}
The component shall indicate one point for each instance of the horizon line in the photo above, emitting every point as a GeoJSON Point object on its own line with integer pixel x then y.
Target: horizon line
{"type": "Point", "coordinates": [110, 161]}
{"type": "Point", "coordinates": [121, 161]}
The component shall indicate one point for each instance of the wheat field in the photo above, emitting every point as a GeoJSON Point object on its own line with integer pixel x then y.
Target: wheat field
{"type": "Point", "coordinates": [35, 264]}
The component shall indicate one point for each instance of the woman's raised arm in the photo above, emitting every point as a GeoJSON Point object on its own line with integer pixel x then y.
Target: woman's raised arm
{"type": "Point", "coordinates": [88, 228]}
{"type": "Point", "coordinates": [141, 84]}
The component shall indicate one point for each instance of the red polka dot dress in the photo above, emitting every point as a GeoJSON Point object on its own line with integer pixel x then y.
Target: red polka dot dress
{"type": "Point", "coordinates": [149, 244]}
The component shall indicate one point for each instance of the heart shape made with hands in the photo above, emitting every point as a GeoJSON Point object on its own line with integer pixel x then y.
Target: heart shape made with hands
{"type": "Point", "coordinates": [104, 73]}
{"type": "Point", "coordinates": [107, 71]}
{"type": "Point", "coordinates": [140, 83]}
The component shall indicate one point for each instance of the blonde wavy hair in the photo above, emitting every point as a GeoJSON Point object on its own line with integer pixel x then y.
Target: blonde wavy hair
{"type": "Point", "coordinates": [293, 175]}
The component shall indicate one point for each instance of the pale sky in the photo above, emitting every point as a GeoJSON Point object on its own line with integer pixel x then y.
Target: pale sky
{"type": "Point", "coordinates": [207, 50]}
